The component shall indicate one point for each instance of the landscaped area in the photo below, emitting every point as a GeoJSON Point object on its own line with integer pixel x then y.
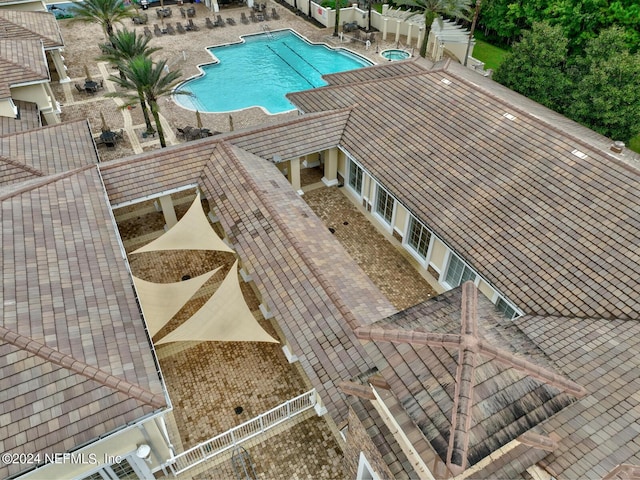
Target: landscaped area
{"type": "Point", "coordinates": [491, 55]}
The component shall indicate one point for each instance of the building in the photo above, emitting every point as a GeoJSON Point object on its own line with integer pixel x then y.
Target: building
{"type": "Point", "coordinates": [526, 365]}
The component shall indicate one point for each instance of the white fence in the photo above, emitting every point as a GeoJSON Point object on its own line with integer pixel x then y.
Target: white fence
{"type": "Point", "coordinates": [229, 439]}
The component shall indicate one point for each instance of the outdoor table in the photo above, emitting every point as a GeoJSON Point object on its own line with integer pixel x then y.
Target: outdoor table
{"type": "Point", "coordinates": [109, 138]}
{"type": "Point", "coordinates": [91, 86]}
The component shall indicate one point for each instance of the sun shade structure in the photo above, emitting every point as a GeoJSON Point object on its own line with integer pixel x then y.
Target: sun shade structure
{"type": "Point", "coordinates": [224, 318]}
{"type": "Point", "coordinates": [192, 232]}
{"type": "Point", "coordinates": [161, 301]}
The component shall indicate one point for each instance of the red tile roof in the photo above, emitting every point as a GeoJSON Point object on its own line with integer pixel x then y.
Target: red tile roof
{"type": "Point", "coordinates": [21, 61]}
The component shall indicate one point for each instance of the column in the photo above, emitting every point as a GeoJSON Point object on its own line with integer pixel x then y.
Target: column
{"type": "Point", "coordinates": [166, 204]}
{"type": "Point", "coordinates": [331, 167]}
{"type": "Point", "coordinates": [58, 62]}
{"type": "Point", "coordinates": [398, 21]}
{"type": "Point", "coordinates": [385, 22]}
{"type": "Point", "coordinates": [294, 174]}
{"type": "Point", "coordinates": [419, 41]}
{"type": "Point", "coordinates": [409, 26]}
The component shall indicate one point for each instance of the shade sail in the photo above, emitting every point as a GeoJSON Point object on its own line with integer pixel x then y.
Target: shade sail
{"type": "Point", "coordinates": [224, 318]}
{"type": "Point", "coordinates": [161, 301]}
{"type": "Point", "coordinates": [192, 232]}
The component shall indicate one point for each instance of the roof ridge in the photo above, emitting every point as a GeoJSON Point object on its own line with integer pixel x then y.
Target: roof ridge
{"type": "Point", "coordinates": [22, 166]}
{"type": "Point", "coordinates": [22, 66]}
{"type": "Point", "coordinates": [23, 27]}
{"type": "Point", "coordinates": [81, 368]}
{"type": "Point", "coordinates": [46, 180]}
{"type": "Point", "coordinates": [45, 127]}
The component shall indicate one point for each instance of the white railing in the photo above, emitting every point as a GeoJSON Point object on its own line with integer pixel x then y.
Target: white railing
{"type": "Point", "coordinates": [229, 439]}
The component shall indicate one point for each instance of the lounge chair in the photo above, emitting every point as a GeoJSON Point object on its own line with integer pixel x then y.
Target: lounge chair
{"type": "Point", "coordinates": [231, 21]}
{"type": "Point", "coordinates": [191, 12]}
{"type": "Point", "coordinates": [274, 14]}
{"type": "Point", "coordinates": [253, 17]}
{"type": "Point", "coordinates": [180, 28]}
{"type": "Point", "coordinates": [147, 32]}
{"type": "Point", "coordinates": [244, 19]}
{"type": "Point", "coordinates": [183, 12]}
{"type": "Point", "coordinates": [209, 23]}
{"type": "Point", "coordinates": [79, 88]}
{"type": "Point", "coordinates": [181, 133]}
{"type": "Point", "coordinates": [170, 29]}
{"type": "Point", "coordinates": [192, 27]}
{"type": "Point", "coordinates": [156, 30]}
{"type": "Point", "coordinates": [220, 21]}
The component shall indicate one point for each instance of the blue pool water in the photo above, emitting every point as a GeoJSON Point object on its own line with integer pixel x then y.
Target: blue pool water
{"type": "Point", "coordinates": [261, 70]}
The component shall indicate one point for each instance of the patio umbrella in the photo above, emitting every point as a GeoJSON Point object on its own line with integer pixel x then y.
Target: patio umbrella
{"type": "Point", "coordinates": [104, 126]}
{"type": "Point", "coordinates": [230, 123]}
{"type": "Point", "coordinates": [198, 119]}
{"type": "Point", "coordinates": [87, 74]}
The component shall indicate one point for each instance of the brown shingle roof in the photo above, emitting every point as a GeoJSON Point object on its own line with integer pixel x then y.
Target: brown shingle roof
{"type": "Point", "coordinates": [21, 24]}
{"type": "Point", "coordinates": [599, 431]}
{"type": "Point", "coordinates": [21, 61]}
{"type": "Point", "coordinates": [29, 118]}
{"type": "Point", "coordinates": [46, 151]}
{"type": "Point", "coordinates": [467, 400]}
{"type": "Point", "coordinates": [67, 295]}
{"type": "Point", "coordinates": [514, 197]}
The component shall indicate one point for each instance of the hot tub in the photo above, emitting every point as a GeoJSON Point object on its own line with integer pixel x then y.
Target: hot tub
{"type": "Point", "coordinates": [395, 54]}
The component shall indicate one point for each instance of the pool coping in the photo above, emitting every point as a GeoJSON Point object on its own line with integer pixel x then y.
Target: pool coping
{"type": "Point", "coordinates": [241, 40]}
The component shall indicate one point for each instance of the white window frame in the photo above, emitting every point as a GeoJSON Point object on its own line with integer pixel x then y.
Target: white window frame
{"type": "Point", "coordinates": [350, 161]}
{"type": "Point", "coordinates": [381, 219]}
{"type": "Point", "coordinates": [364, 467]}
{"type": "Point", "coordinates": [410, 248]}
{"type": "Point", "coordinates": [139, 466]}
{"type": "Point", "coordinates": [465, 266]}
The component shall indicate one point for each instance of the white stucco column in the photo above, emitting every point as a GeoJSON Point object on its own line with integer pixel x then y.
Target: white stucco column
{"type": "Point", "coordinates": [166, 204]}
{"type": "Point", "coordinates": [398, 22]}
{"type": "Point", "coordinates": [385, 26]}
{"type": "Point", "coordinates": [331, 168]}
{"type": "Point", "coordinates": [58, 62]}
{"type": "Point", "coordinates": [409, 26]}
{"type": "Point", "coordinates": [420, 34]}
{"type": "Point", "coordinates": [294, 173]}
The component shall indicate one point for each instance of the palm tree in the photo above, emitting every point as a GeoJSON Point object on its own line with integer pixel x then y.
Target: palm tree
{"type": "Point", "coordinates": [433, 9]}
{"type": "Point", "coordinates": [105, 13]}
{"type": "Point", "coordinates": [124, 46]}
{"type": "Point", "coordinates": [153, 79]}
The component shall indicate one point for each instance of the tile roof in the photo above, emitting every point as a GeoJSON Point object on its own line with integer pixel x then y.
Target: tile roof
{"type": "Point", "coordinates": [376, 72]}
{"type": "Point", "coordinates": [21, 61]}
{"type": "Point", "coordinates": [46, 151]}
{"type": "Point", "coordinates": [600, 430]}
{"type": "Point", "coordinates": [73, 339]}
{"type": "Point", "coordinates": [21, 24]}
{"type": "Point", "coordinates": [29, 118]}
{"type": "Point", "coordinates": [441, 363]}
{"type": "Point", "coordinates": [502, 191]}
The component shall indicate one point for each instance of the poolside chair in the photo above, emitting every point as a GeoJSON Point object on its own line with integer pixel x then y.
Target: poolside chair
{"type": "Point", "coordinates": [209, 23]}
{"type": "Point", "coordinates": [192, 27]}
{"type": "Point", "coordinates": [180, 28]}
{"type": "Point", "coordinates": [274, 14]}
{"type": "Point", "coordinates": [231, 21]}
{"type": "Point", "coordinates": [183, 12]}
{"type": "Point", "coordinates": [170, 29]}
{"type": "Point", "coordinates": [243, 18]}
{"type": "Point", "coordinates": [191, 12]}
{"type": "Point", "coordinates": [220, 21]}
{"type": "Point", "coordinates": [253, 17]}
{"type": "Point", "coordinates": [79, 88]}
{"type": "Point", "coordinates": [156, 30]}
{"type": "Point", "coordinates": [147, 32]}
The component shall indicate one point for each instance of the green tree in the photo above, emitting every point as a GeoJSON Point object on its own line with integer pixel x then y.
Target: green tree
{"type": "Point", "coordinates": [606, 97]}
{"type": "Point", "coordinates": [124, 46]}
{"type": "Point", "coordinates": [535, 67]}
{"type": "Point", "coordinates": [155, 82]}
{"type": "Point", "coordinates": [432, 10]}
{"type": "Point", "coordinates": [105, 13]}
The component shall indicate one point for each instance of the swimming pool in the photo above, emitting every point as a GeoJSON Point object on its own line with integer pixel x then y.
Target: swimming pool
{"type": "Point", "coordinates": [261, 70]}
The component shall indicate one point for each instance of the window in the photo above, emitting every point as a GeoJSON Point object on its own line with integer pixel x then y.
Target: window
{"type": "Point", "coordinates": [124, 469]}
{"type": "Point", "coordinates": [418, 237]}
{"type": "Point", "coordinates": [458, 272]}
{"type": "Point", "coordinates": [355, 177]}
{"type": "Point", "coordinates": [384, 204]}
{"type": "Point", "coordinates": [507, 310]}
{"type": "Point", "coordinates": [365, 472]}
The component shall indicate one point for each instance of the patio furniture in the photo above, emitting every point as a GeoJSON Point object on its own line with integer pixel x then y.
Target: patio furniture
{"type": "Point", "coordinates": [253, 17]}
{"type": "Point", "coordinates": [274, 14]}
{"type": "Point", "coordinates": [243, 18]}
{"type": "Point", "coordinates": [220, 21]}
{"type": "Point", "coordinates": [147, 32]}
{"type": "Point", "coordinates": [170, 29]}
{"type": "Point", "coordinates": [349, 26]}
{"type": "Point", "coordinates": [192, 27]}
{"type": "Point", "coordinates": [183, 12]}
{"type": "Point", "coordinates": [109, 138]}
{"type": "Point", "coordinates": [209, 23]}
{"type": "Point", "coordinates": [141, 19]}
{"type": "Point", "coordinates": [180, 28]}
{"type": "Point", "coordinates": [191, 12]}
{"type": "Point", "coordinates": [231, 21]}
{"type": "Point", "coordinates": [91, 86]}
{"type": "Point", "coordinates": [164, 12]}
{"type": "Point", "coordinates": [156, 30]}
{"type": "Point", "coordinates": [79, 88]}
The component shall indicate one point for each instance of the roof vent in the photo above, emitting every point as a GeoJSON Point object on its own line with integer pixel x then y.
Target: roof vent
{"type": "Point", "coordinates": [509, 116]}
{"type": "Point", "coordinates": [446, 81]}
{"type": "Point", "coordinates": [579, 154]}
{"type": "Point", "coordinates": [617, 147]}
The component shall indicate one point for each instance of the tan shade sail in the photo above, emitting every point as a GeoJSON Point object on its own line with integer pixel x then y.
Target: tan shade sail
{"type": "Point", "coordinates": [224, 318]}
{"type": "Point", "coordinates": [192, 232]}
{"type": "Point", "coordinates": [161, 301]}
